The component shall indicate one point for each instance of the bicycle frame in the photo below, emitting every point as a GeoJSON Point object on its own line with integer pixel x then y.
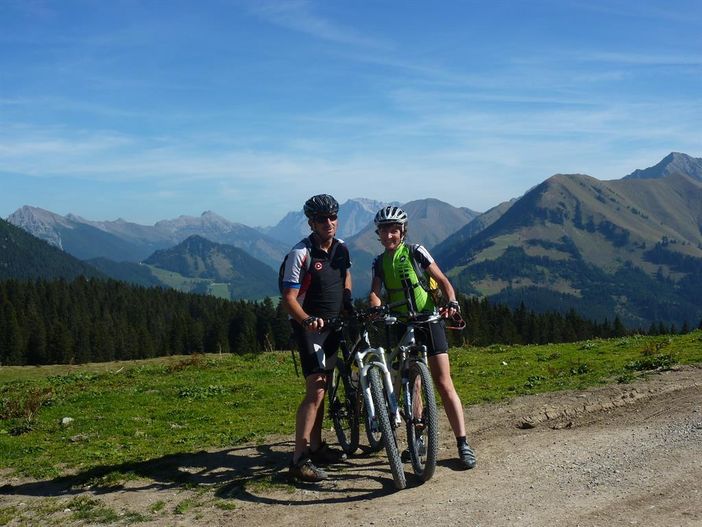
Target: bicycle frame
{"type": "Point", "coordinates": [406, 349]}
{"type": "Point", "coordinates": [413, 379]}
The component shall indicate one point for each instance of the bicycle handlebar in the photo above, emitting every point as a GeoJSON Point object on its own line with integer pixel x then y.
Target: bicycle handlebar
{"type": "Point", "coordinates": [381, 313]}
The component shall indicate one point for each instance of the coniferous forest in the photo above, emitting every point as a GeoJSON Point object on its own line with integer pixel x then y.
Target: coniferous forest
{"type": "Point", "coordinates": [54, 322]}
{"type": "Point", "coordinates": [94, 320]}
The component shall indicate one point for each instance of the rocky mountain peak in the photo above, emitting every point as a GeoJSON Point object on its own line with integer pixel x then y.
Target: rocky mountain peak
{"type": "Point", "coordinates": [28, 215]}
{"type": "Point", "coordinates": [41, 223]}
{"type": "Point", "coordinates": [673, 163]}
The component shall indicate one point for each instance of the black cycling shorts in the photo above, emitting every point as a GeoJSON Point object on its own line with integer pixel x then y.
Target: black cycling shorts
{"type": "Point", "coordinates": [317, 349]}
{"type": "Point", "coordinates": [432, 335]}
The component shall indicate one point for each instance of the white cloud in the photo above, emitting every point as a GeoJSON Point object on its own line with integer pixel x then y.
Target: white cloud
{"type": "Point", "coordinates": [300, 16]}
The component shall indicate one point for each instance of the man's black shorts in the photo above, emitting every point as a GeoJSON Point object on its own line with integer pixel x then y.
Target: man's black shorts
{"type": "Point", "coordinates": [317, 349]}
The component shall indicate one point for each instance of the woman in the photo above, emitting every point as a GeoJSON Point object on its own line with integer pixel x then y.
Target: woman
{"type": "Point", "coordinates": [394, 271]}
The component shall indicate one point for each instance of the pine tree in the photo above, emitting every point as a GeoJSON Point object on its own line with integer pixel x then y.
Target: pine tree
{"type": "Point", "coordinates": [281, 328]}
{"type": "Point", "coordinates": [11, 342]}
{"type": "Point", "coordinates": [618, 330]}
{"type": "Point", "coordinates": [242, 332]}
{"type": "Point", "coordinates": [195, 337]}
{"type": "Point", "coordinates": [652, 329]}
{"type": "Point", "coordinates": [60, 344]}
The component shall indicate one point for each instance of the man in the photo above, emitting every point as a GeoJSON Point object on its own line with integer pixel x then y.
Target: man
{"type": "Point", "coordinates": [316, 286]}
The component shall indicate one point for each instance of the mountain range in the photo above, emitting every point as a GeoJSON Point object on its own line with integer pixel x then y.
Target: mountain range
{"type": "Point", "coordinates": [125, 241]}
{"type": "Point", "coordinates": [628, 248]}
{"type": "Point", "coordinates": [355, 215]}
{"type": "Point", "coordinates": [120, 240]}
{"type": "Point", "coordinates": [430, 221]}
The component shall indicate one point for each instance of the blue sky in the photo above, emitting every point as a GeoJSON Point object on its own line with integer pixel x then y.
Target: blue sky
{"type": "Point", "coordinates": [147, 110]}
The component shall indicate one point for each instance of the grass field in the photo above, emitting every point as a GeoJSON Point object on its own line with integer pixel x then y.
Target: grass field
{"type": "Point", "coordinates": [135, 411]}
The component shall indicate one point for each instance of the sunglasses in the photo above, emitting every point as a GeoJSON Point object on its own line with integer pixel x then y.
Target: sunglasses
{"type": "Point", "coordinates": [323, 219]}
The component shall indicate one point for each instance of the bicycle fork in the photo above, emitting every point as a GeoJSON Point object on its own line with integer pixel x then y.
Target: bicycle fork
{"type": "Point", "coordinates": [377, 359]}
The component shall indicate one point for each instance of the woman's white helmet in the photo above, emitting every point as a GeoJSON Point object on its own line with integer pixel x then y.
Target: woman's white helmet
{"type": "Point", "coordinates": [390, 215]}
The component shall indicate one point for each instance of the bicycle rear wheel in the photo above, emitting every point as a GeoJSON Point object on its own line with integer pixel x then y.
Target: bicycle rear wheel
{"type": "Point", "coordinates": [343, 409]}
{"type": "Point", "coordinates": [382, 412]}
{"type": "Point", "coordinates": [422, 422]}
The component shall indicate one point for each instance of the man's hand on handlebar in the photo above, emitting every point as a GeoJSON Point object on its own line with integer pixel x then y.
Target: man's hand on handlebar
{"type": "Point", "coordinates": [313, 324]}
{"type": "Point", "coordinates": [376, 312]}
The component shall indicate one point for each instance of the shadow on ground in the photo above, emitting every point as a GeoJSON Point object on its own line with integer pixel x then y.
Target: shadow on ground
{"type": "Point", "coordinates": [257, 474]}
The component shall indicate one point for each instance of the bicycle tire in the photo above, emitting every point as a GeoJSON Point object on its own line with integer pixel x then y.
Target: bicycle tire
{"type": "Point", "coordinates": [423, 463]}
{"type": "Point", "coordinates": [375, 437]}
{"type": "Point", "coordinates": [343, 410]}
{"type": "Point", "coordinates": [382, 411]}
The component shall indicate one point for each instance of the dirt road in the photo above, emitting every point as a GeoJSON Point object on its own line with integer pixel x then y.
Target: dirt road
{"type": "Point", "coordinates": [627, 454]}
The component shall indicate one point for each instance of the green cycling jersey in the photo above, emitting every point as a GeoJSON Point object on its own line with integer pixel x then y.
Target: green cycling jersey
{"type": "Point", "coordinates": [401, 281]}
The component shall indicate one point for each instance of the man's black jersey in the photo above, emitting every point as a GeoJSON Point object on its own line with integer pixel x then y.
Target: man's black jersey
{"type": "Point", "coordinates": [321, 284]}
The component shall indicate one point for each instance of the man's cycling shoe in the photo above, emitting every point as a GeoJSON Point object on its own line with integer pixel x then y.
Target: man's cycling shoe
{"type": "Point", "coordinates": [466, 455]}
{"type": "Point", "coordinates": [304, 470]}
{"type": "Point", "coordinates": [325, 455]}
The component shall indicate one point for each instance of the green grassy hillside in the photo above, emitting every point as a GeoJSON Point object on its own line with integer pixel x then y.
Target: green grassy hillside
{"type": "Point", "coordinates": [629, 248]}
{"type": "Point", "coordinates": [198, 264]}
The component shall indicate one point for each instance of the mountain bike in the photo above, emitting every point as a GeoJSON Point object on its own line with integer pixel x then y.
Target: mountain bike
{"type": "Point", "coordinates": [410, 382]}
{"type": "Point", "coordinates": [416, 392]}
{"type": "Point", "coordinates": [371, 396]}
{"type": "Point", "coordinates": [347, 409]}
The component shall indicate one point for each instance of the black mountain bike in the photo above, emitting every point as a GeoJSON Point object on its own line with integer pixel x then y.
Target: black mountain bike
{"type": "Point", "coordinates": [415, 394]}
{"type": "Point", "coordinates": [347, 408]}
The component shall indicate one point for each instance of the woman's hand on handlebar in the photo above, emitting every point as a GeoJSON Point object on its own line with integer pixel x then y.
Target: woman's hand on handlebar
{"type": "Point", "coordinates": [451, 309]}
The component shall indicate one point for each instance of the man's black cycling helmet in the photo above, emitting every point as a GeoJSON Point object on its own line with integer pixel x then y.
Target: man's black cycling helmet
{"type": "Point", "coordinates": [321, 205]}
{"type": "Point", "coordinates": [390, 216]}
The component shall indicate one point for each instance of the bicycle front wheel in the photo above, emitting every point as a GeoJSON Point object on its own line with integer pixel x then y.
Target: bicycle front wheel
{"type": "Point", "coordinates": [343, 410]}
{"type": "Point", "coordinates": [422, 422]}
{"type": "Point", "coordinates": [373, 433]}
{"type": "Point", "coordinates": [382, 414]}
